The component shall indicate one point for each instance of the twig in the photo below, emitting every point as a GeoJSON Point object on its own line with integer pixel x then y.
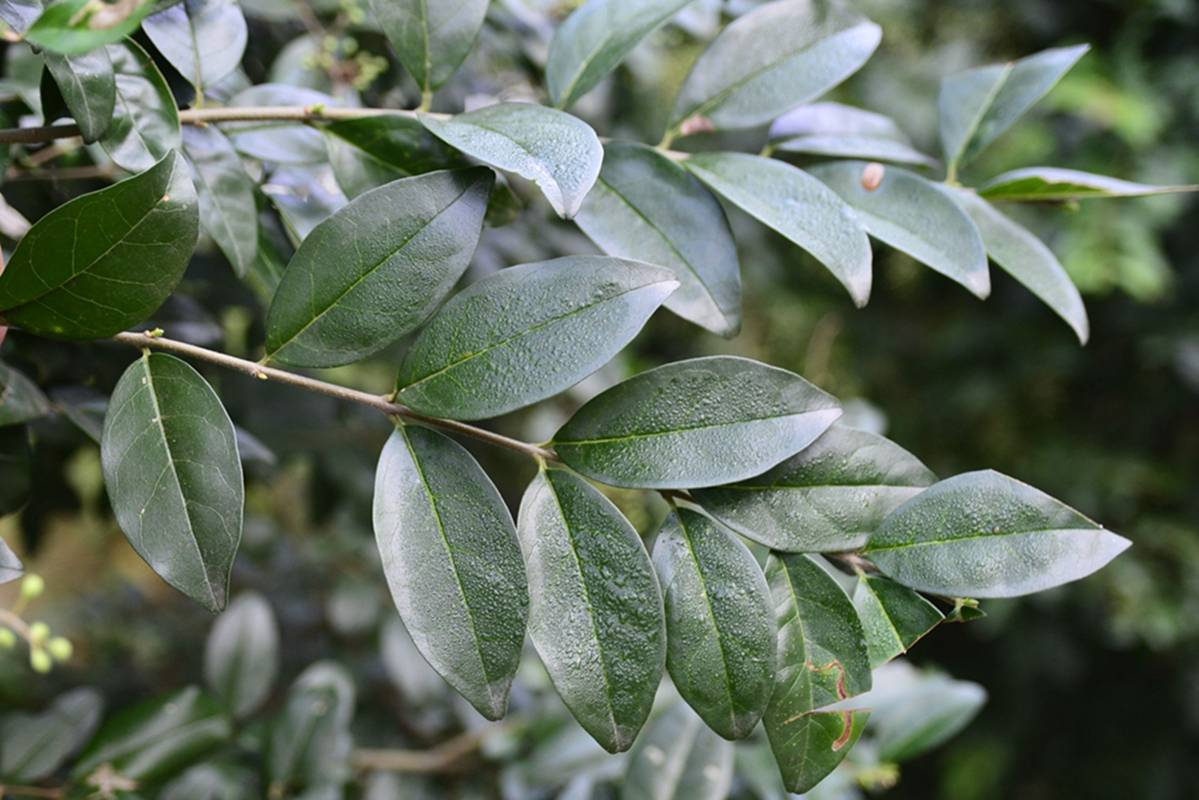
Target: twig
{"type": "Point", "coordinates": [148, 339]}
{"type": "Point", "coordinates": [445, 757]}
{"type": "Point", "coordinates": [21, 628]}
{"type": "Point", "coordinates": [7, 790]}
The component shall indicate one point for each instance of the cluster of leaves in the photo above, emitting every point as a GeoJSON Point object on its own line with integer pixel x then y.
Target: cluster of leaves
{"type": "Point", "coordinates": [744, 451]}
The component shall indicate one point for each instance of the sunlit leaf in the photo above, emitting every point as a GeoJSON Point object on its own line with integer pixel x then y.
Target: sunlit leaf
{"type": "Point", "coordinates": [1052, 184]}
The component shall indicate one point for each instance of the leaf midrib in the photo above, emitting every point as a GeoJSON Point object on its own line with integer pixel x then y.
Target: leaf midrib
{"type": "Point", "coordinates": [724, 658]}
{"type": "Point", "coordinates": [976, 536]}
{"type": "Point", "coordinates": [686, 429]}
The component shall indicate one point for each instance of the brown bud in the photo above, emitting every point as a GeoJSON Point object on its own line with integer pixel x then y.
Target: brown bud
{"type": "Point", "coordinates": [872, 176]}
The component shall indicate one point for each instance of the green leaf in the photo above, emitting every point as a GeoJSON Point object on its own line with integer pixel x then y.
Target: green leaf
{"type": "Point", "coordinates": [203, 39]}
{"type": "Point", "coordinates": [431, 38]}
{"type": "Point", "coordinates": [170, 462]}
{"type": "Point", "coordinates": [310, 743]}
{"type": "Point", "coordinates": [155, 740]}
{"type": "Point", "coordinates": [1051, 184]}
{"type": "Point", "coordinates": [88, 87]}
{"type": "Point", "coordinates": [453, 563]}
{"type": "Point", "coordinates": [16, 462]}
{"type": "Point", "coordinates": [822, 660]}
{"type": "Point", "coordinates": [893, 617]}
{"type": "Point", "coordinates": [840, 131]}
{"type": "Point", "coordinates": [915, 712]}
{"type": "Point", "coordinates": [647, 207]}
{"type": "Point", "coordinates": [279, 142]}
{"type": "Point", "coordinates": [558, 152]}
{"type": "Point", "coordinates": [377, 268]}
{"type": "Point", "coordinates": [527, 333]}
{"type": "Point", "coordinates": [228, 211]}
{"type": "Point", "coordinates": [145, 122]}
{"type": "Point", "coordinates": [914, 215]}
{"type": "Point", "coordinates": [978, 105]}
{"type": "Point", "coordinates": [20, 399]}
{"type": "Point", "coordinates": [595, 612]}
{"type": "Point", "coordinates": [829, 496]}
{"type": "Point", "coordinates": [694, 423]}
{"type": "Point", "coordinates": [796, 205]}
{"type": "Point", "coordinates": [75, 27]}
{"type": "Point", "coordinates": [369, 152]}
{"type": "Point", "coordinates": [214, 781]}
{"type": "Point", "coordinates": [771, 60]}
{"type": "Point", "coordinates": [11, 567]}
{"type": "Point", "coordinates": [595, 38]}
{"type": "Point", "coordinates": [34, 746]}
{"type": "Point", "coordinates": [678, 759]}
{"type": "Point", "coordinates": [105, 261]}
{"type": "Point", "coordinates": [242, 654]}
{"type": "Point", "coordinates": [1026, 258]}
{"type": "Point", "coordinates": [983, 534]}
{"type": "Point", "coordinates": [720, 633]}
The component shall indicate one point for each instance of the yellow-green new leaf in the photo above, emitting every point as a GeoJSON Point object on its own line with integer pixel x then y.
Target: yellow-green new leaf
{"type": "Point", "coordinates": [796, 205]}
{"type": "Point", "coordinates": [527, 333]}
{"type": "Point", "coordinates": [453, 563]}
{"type": "Point", "coordinates": [558, 152]}
{"type": "Point", "coordinates": [720, 634]}
{"type": "Point", "coordinates": [595, 38]}
{"type": "Point", "coordinates": [105, 261]}
{"type": "Point", "coordinates": [1056, 185]}
{"type": "Point", "coordinates": [822, 661]}
{"type": "Point", "coordinates": [829, 496]}
{"type": "Point", "coordinates": [377, 268]}
{"type": "Point", "coordinates": [595, 613]}
{"type": "Point", "coordinates": [645, 206]}
{"type": "Point", "coordinates": [678, 758]}
{"type": "Point", "coordinates": [983, 534]}
{"type": "Point", "coordinates": [914, 215]}
{"type": "Point", "coordinates": [701, 422]}
{"type": "Point", "coordinates": [170, 461]}
{"type": "Point", "coordinates": [774, 58]}
{"type": "Point", "coordinates": [1027, 259]}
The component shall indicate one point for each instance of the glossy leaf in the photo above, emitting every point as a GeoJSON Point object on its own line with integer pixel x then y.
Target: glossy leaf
{"type": "Point", "coordinates": [822, 660]}
{"type": "Point", "coordinates": [913, 215]}
{"type": "Point", "coordinates": [310, 743]}
{"type": "Point", "coordinates": [36, 745]}
{"type": "Point", "coordinates": [431, 38]}
{"type": "Point", "coordinates": [75, 27]}
{"type": "Point", "coordinates": [558, 152]}
{"type": "Point", "coordinates": [1027, 259]}
{"type": "Point", "coordinates": [595, 612]}
{"type": "Point", "coordinates": [678, 759]}
{"type": "Point", "coordinates": [829, 496]}
{"type": "Point", "coordinates": [11, 567]}
{"type": "Point", "coordinates": [527, 333]}
{"type": "Point", "coordinates": [796, 205]}
{"type": "Point", "coordinates": [983, 534]}
{"type": "Point", "coordinates": [20, 14]}
{"type": "Point", "coordinates": [377, 268]}
{"type": "Point", "coordinates": [242, 654]}
{"type": "Point", "coordinates": [104, 261]}
{"type": "Point", "coordinates": [156, 739]}
{"type": "Point", "coordinates": [88, 87]}
{"type": "Point", "coordinates": [170, 463]}
{"type": "Point", "coordinates": [978, 105]}
{"type": "Point", "coordinates": [228, 211]}
{"type": "Point", "coordinates": [145, 122]}
{"type": "Point", "coordinates": [283, 142]}
{"type": "Point", "coordinates": [772, 59]}
{"type": "Point", "coordinates": [595, 38]}
{"type": "Point", "coordinates": [720, 630]}
{"type": "Point", "coordinates": [1052, 184]}
{"type": "Point", "coordinates": [453, 563]}
{"type": "Point", "coordinates": [647, 207]}
{"type": "Point", "coordinates": [840, 131]}
{"type": "Point", "coordinates": [893, 617]}
{"type": "Point", "coordinates": [366, 153]}
{"type": "Point", "coordinates": [203, 39]}
{"type": "Point", "coordinates": [694, 423]}
{"type": "Point", "coordinates": [20, 399]}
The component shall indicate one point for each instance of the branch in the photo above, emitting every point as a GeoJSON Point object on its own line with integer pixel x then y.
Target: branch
{"type": "Point", "coordinates": [382, 403]}
{"type": "Point", "coordinates": [445, 757]}
{"type": "Point", "coordinates": [203, 116]}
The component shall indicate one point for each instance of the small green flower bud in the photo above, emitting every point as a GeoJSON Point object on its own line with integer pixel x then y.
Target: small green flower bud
{"type": "Point", "coordinates": [40, 660]}
{"type": "Point", "coordinates": [8, 639]}
{"type": "Point", "coordinates": [61, 648]}
{"type": "Point", "coordinates": [39, 632]}
{"type": "Point", "coordinates": [32, 586]}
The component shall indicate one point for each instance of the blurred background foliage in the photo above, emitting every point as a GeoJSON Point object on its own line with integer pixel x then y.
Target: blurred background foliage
{"type": "Point", "coordinates": [1094, 688]}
